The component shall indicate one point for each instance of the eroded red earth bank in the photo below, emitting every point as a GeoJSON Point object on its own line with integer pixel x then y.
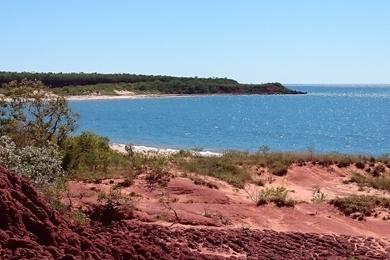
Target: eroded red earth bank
{"type": "Point", "coordinates": [29, 229]}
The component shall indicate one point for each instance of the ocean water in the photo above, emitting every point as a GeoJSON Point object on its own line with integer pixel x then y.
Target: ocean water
{"type": "Point", "coordinates": [348, 119]}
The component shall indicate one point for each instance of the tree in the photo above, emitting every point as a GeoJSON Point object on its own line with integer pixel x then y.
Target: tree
{"type": "Point", "coordinates": [31, 115]}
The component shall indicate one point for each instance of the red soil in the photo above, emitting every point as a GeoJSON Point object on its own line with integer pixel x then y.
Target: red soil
{"type": "Point", "coordinates": [30, 230]}
{"type": "Point", "coordinates": [227, 207]}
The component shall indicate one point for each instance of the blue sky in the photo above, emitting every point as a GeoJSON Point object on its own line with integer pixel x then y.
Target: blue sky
{"type": "Point", "coordinates": [300, 41]}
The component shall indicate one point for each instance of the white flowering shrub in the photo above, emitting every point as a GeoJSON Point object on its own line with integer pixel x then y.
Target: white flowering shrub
{"type": "Point", "coordinates": [39, 164]}
{"type": "Point", "coordinates": [8, 157]}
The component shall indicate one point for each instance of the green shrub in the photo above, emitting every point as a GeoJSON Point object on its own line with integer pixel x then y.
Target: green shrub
{"type": "Point", "coordinates": [53, 193]}
{"type": "Point", "coordinates": [90, 152]}
{"type": "Point", "coordinates": [362, 204]}
{"type": "Point", "coordinates": [380, 183]}
{"type": "Point", "coordinates": [278, 168]}
{"type": "Point", "coordinates": [155, 162]}
{"type": "Point", "coordinates": [79, 218]}
{"type": "Point", "coordinates": [278, 195]}
{"type": "Point", "coordinates": [358, 179]}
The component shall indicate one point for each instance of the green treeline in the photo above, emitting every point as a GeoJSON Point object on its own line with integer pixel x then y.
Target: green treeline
{"type": "Point", "coordinates": [85, 83]}
{"type": "Point", "coordinates": [73, 79]}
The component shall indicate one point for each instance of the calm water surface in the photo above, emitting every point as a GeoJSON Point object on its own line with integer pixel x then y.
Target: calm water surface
{"type": "Point", "coordinates": [329, 118]}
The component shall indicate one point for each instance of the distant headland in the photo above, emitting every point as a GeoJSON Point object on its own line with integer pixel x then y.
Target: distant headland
{"type": "Point", "coordinates": [79, 84]}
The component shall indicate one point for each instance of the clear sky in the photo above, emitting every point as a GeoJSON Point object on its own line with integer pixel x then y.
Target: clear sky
{"type": "Point", "coordinates": [290, 41]}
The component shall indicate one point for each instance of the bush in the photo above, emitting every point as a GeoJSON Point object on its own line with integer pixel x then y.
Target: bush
{"type": "Point", "coordinates": [362, 204]}
{"type": "Point", "coordinates": [8, 156]}
{"type": "Point", "coordinates": [343, 163]}
{"type": "Point", "coordinates": [42, 165]}
{"type": "Point", "coordinates": [278, 168]}
{"type": "Point", "coordinates": [278, 195]}
{"type": "Point", "coordinates": [140, 162]}
{"type": "Point", "coordinates": [380, 183]}
{"type": "Point", "coordinates": [115, 206]}
{"type": "Point", "coordinates": [156, 178]}
{"type": "Point", "coordinates": [360, 165]}
{"type": "Point", "coordinates": [380, 168]}
{"type": "Point", "coordinates": [90, 152]}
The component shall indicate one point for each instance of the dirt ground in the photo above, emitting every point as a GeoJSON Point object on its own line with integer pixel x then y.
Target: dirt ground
{"type": "Point", "coordinates": [229, 207]}
{"type": "Point", "coordinates": [190, 221]}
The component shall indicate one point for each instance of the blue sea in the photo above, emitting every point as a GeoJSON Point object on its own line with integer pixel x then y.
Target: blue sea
{"type": "Point", "coordinates": [347, 119]}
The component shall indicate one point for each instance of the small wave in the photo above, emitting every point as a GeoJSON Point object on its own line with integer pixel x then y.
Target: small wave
{"type": "Point", "coordinates": [160, 151]}
{"type": "Point", "coordinates": [352, 95]}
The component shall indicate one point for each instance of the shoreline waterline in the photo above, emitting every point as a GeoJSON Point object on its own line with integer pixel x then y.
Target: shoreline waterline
{"type": "Point", "coordinates": [147, 150]}
{"type": "Point", "coordinates": [120, 97]}
{"type": "Point", "coordinates": [160, 96]}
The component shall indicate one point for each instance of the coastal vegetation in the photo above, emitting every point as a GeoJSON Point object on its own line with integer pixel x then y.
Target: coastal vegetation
{"type": "Point", "coordinates": [30, 116]}
{"type": "Point", "coordinates": [234, 166]}
{"type": "Point", "coordinates": [37, 142]}
{"type": "Point", "coordinates": [42, 165]}
{"type": "Point", "coordinates": [220, 168]}
{"type": "Point", "coordinates": [33, 130]}
{"type": "Point", "coordinates": [91, 153]}
{"type": "Point", "coordinates": [360, 205]}
{"type": "Point", "coordinates": [109, 84]}
{"type": "Point", "coordinates": [376, 182]}
{"type": "Point", "coordinates": [277, 195]}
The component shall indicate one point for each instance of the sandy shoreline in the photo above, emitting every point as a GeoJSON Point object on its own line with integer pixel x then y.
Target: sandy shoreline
{"type": "Point", "coordinates": [126, 96]}
{"type": "Point", "coordinates": [118, 97]}
{"type": "Point", "coordinates": [160, 151]}
{"type": "Point", "coordinates": [152, 96]}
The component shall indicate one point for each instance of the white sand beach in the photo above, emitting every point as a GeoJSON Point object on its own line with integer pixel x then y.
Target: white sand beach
{"type": "Point", "coordinates": [123, 96]}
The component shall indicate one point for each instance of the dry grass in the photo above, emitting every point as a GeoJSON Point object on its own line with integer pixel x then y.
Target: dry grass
{"type": "Point", "coordinates": [379, 183]}
{"type": "Point", "coordinates": [234, 167]}
{"type": "Point", "coordinates": [362, 204]}
{"type": "Point", "coordinates": [201, 181]}
{"type": "Point", "coordinates": [220, 168]}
